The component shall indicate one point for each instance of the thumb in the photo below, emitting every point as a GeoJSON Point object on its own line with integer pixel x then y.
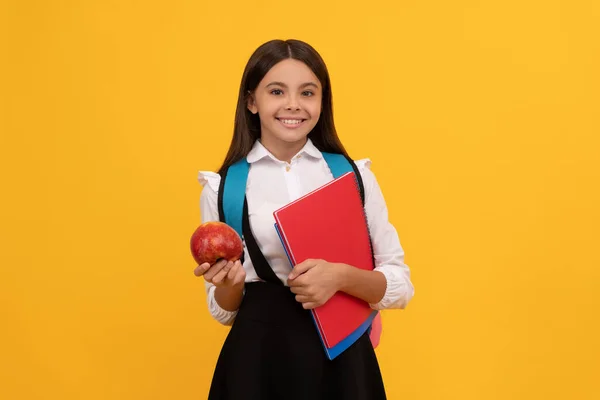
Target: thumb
{"type": "Point", "coordinates": [301, 268]}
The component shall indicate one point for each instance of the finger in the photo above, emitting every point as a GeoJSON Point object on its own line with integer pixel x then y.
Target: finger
{"type": "Point", "coordinates": [212, 271]}
{"type": "Point", "coordinates": [234, 270]}
{"type": "Point", "coordinates": [297, 281]}
{"type": "Point", "coordinates": [222, 274]}
{"type": "Point", "coordinates": [240, 276]}
{"type": "Point", "coordinates": [210, 274]}
{"type": "Point", "coordinates": [302, 298]}
{"type": "Point", "coordinates": [201, 269]}
{"type": "Point", "coordinates": [298, 290]}
{"type": "Point", "coordinates": [309, 305]}
{"type": "Point", "coordinates": [301, 268]}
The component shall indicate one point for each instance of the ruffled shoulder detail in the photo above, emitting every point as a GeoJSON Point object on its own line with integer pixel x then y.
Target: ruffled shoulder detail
{"type": "Point", "coordinates": [364, 163]}
{"type": "Point", "coordinates": [211, 178]}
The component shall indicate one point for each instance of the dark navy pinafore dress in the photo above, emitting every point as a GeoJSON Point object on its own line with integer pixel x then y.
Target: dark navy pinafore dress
{"type": "Point", "coordinates": [273, 351]}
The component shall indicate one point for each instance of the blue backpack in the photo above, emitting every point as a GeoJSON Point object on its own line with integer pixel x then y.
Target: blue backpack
{"type": "Point", "coordinates": [232, 193]}
{"type": "Point", "coordinates": [232, 190]}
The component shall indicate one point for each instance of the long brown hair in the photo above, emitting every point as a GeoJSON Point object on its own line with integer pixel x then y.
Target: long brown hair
{"type": "Point", "coordinates": [247, 125]}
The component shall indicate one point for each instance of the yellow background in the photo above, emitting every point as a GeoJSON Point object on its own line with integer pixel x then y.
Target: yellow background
{"type": "Point", "coordinates": [482, 121]}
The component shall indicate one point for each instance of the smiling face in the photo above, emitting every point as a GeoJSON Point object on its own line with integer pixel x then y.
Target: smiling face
{"type": "Point", "coordinates": [288, 103]}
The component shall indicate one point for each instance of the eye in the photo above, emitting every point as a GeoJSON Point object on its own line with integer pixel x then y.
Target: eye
{"type": "Point", "coordinates": [277, 92]}
{"type": "Point", "coordinates": [307, 93]}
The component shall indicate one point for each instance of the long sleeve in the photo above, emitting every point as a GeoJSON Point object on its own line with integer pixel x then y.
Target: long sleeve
{"type": "Point", "coordinates": [210, 212]}
{"type": "Point", "coordinates": [388, 252]}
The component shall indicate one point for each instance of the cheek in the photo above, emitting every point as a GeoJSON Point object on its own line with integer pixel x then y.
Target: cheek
{"type": "Point", "coordinates": [268, 110]}
{"type": "Point", "coordinates": [315, 110]}
{"type": "Point", "coordinates": [315, 106]}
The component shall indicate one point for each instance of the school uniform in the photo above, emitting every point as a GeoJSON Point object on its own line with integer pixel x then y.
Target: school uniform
{"type": "Point", "coordinates": [273, 350]}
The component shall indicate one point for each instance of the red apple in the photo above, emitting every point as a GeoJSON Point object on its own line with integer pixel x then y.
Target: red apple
{"type": "Point", "coordinates": [215, 240]}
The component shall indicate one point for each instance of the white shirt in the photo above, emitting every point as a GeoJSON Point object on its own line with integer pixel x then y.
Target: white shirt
{"type": "Point", "coordinates": [273, 183]}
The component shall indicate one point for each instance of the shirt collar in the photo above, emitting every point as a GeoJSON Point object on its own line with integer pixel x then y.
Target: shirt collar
{"type": "Point", "coordinates": [258, 152]}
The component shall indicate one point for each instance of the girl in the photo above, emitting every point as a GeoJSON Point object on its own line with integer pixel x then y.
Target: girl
{"type": "Point", "coordinates": [284, 120]}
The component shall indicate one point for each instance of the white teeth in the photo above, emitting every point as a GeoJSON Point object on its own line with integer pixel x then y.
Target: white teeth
{"type": "Point", "coordinates": [291, 121]}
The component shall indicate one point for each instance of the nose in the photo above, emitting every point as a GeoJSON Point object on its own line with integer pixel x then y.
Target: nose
{"type": "Point", "coordinates": [292, 103]}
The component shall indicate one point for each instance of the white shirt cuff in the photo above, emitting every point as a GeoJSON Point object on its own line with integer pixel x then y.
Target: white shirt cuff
{"type": "Point", "coordinates": [223, 316]}
{"type": "Point", "coordinates": [398, 291]}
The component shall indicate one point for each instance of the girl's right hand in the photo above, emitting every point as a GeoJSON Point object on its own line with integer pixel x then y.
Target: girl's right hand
{"type": "Point", "coordinates": [223, 273]}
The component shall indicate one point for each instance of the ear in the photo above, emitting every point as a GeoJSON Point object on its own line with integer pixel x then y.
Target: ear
{"type": "Point", "coordinates": [251, 104]}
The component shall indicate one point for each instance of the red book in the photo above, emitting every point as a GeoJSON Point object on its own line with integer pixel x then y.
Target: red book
{"type": "Point", "coordinates": [329, 223]}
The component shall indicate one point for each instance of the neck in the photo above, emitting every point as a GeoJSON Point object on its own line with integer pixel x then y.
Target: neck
{"type": "Point", "coordinates": [283, 151]}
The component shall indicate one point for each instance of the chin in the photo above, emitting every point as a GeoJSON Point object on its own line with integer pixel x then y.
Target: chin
{"type": "Point", "coordinates": [293, 139]}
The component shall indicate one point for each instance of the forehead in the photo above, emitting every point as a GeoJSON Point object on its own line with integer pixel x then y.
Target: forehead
{"type": "Point", "coordinates": [290, 72]}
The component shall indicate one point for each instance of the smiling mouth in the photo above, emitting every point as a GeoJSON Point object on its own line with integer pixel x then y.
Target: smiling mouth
{"type": "Point", "coordinates": [290, 122]}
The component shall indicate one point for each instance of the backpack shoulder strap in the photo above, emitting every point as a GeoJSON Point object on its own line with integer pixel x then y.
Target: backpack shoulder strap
{"type": "Point", "coordinates": [339, 164]}
{"type": "Point", "coordinates": [232, 192]}
{"type": "Point", "coordinates": [232, 189]}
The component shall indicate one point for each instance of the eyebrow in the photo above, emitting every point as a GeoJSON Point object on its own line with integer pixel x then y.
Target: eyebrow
{"type": "Point", "coordinates": [301, 86]}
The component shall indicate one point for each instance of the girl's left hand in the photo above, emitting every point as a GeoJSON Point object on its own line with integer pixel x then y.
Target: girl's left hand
{"type": "Point", "coordinates": [314, 282]}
